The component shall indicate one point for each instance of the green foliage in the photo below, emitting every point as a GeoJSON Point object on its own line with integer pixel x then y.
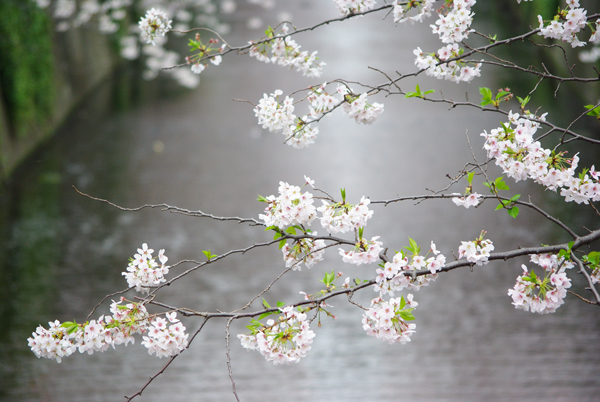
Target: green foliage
{"type": "Point", "coordinates": [413, 248]}
{"type": "Point", "coordinates": [593, 111]}
{"type": "Point", "coordinates": [328, 279]}
{"type": "Point", "coordinates": [418, 93]}
{"type": "Point", "coordinates": [496, 185]}
{"type": "Point", "coordinates": [509, 205]}
{"type": "Point", "coordinates": [209, 255]}
{"type": "Point", "coordinates": [488, 98]}
{"type": "Point", "coordinates": [26, 64]}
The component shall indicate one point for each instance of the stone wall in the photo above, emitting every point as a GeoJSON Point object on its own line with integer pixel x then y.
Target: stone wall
{"type": "Point", "coordinates": [80, 59]}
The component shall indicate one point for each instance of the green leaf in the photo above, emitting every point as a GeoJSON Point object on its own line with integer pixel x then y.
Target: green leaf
{"type": "Point", "coordinates": [486, 96]}
{"type": "Point", "coordinates": [280, 304]}
{"type": "Point", "coordinates": [262, 199]}
{"type": "Point", "coordinates": [263, 315]}
{"type": "Point", "coordinates": [524, 102]}
{"type": "Point", "coordinates": [291, 230]}
{"type": "Point", "coordinates": [500, 184]}
{"type": "Point", "coordinates": [470, 177]}
{"type": "Point", "coordinates": [265, 304]}
{"type": "Point", "coordinates": [414, 247]}
{"type": "Point", "coordinates": [514, 211]}
{"type": "Point", "coordinates": [593, 110]}
{"type": "Point", "coordinates": [209, 255]}
{"type": "Point", "coordinates": [343, 190]}
{"type": "Point", "coordinates": [282, 243]}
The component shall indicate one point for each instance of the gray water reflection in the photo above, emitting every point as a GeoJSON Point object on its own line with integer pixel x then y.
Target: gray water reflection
{"type": "Point", "coordinates": [471, 344]}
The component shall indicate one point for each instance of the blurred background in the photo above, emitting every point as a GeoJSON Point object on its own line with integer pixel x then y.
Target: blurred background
{"type": "Point", "coordinates": [75, 114]}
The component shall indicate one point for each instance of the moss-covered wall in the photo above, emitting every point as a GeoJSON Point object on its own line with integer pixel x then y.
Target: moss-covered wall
{"type": "Point", "coordinates": [43, 75]}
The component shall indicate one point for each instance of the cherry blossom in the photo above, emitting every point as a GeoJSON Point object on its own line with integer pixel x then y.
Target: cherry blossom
{"type": "Point", "coordinates": [364, 252]}
{"type": "Point", "coordinates": [144, 272]}
{"type": "Point", "coordinates": [388, 320]}
{"type": "Point", "coordinates": [542, 295]}
{"type": "Point", "coordinates": [284, 341]}
{"type": "Point", "coordinates": [292, 207]}
{"type": "Point", "coordinates": [154, 24]}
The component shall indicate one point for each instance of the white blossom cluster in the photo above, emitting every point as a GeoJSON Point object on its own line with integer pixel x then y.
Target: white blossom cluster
{"type": "Point", "coordinates": [573, 22]}
{"type": "Point", "coordinates": [542, 295]}
{"type": "Point", "coordinates": [356, 106]}
{"type": "Point", "coordinates": [348, 7]}
{"type": "Point", "coordinates": [341, 217]}
{"type": "Point", "coordinates": [402, 11]}
{"type": "Point", "coordinates": [284, 341]}
{"type": "Point", "coordinates": [387, 321]}
{"type": "Point", "coordinates": [52, 343]}
{"type": "Point", "coordinates": [455, 71]}
{"type": "Point", "coordinates": [292, 207]}
{"type": "Point", "coordinates": [300, 132]}
{"type": "Point", "coordinates": [364, 252]}
{"type": "Point", "coordinates": [520, 157]}
{"type": "Point", "coordinates": [320, 101]}
{"type": "Point", "coordinates": [470, 200]}
{"type": "Point", "coordinates": [286, 52]}
{"type": "Point", "coordinates": [165, 340]}
{"type": "Point", "coordinates": [392, 277]}
{"type": "Point", "coordinates": [277, 116]}
{"type": "Point", "coordinates": [476, 251]}
{"type": "Point", "coordinates": [307, 251]}
{"type": "Point", "coordinates": [61, 340]}
{"type": "Point", "coordinates": [454, 26]}
{"type": "Point", "coordinates": [154, 24]}
{"type": "Point", "coordinates": [143, 271]}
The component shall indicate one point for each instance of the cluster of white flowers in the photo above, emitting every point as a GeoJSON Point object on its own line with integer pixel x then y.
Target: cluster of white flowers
{"type": "Point", "coordinates": [574, 21]}
{"type": "Point", "coordinates": [456, 71]}
{"type": "Point", "coordinates": [364, 252]}
{"type": "Point", "coordinates": [470, 200]}
{"type": "Point", "coordinates": [165, 340]}
{"type": "Point", "coordinates": [356, 106]}
{"type": "Point", "coordinates": [320, 101]}
{"type": "Point", "coordinates": [61, 340]}
{"type": "Point", "coordinates": [542, 295]}
{"type": "Point", "coordinates": [341, 217]}
{"type": "Point", "coordinates": [277, 116]}
{"type": "Point", "coordinates": [476, 251]}
{"type": "Point", "coordinates": [402, 11]}
{"type": "Point", "coordinates": [387, 321]}
{"type": "Point", "coordinates": [454, 26]}
{"type": "Point", "coordinates": [292, 207]}
{"type": "Point", "coordinates": [286, 52]}
{"type": "Point", "coordinates": [307, 251]}
{"type": "Point", "coordinates": [143, 271]}
{"type": "Point", "coordinates": [301, 132]}
{"type": "Point", "coordinates": [52, 343]}
{"type": "Point", "coordinates": [520, 157]}
{"type": "Point", "coordinates": [284, 341]}
{"type": "Point", "coordinates": [154, 24]}
{"type": "Point", "coordinates": [348, 7]}
{"type": "Point", "coordinates": [392, 277]}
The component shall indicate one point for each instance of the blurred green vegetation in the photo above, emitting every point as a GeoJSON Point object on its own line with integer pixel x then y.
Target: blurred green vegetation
{"type": "Point", "coordinates": [26, 64]}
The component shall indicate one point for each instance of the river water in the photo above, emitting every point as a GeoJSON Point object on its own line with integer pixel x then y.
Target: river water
{"type": "Point", "coordinates": [201, 150]}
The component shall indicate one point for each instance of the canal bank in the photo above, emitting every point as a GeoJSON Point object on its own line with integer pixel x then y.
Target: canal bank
{"type": "Point", "coordinates": [44, 75]}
